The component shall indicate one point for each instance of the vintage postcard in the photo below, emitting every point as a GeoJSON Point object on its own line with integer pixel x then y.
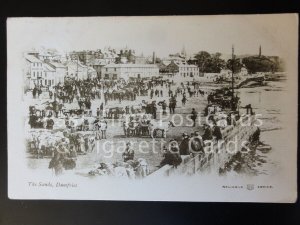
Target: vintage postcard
{"type": "Point", "coordinates": [160, 108]}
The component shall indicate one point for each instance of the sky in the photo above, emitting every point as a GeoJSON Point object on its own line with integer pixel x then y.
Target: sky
{"type": "Point", "coordinates": [162, 35]}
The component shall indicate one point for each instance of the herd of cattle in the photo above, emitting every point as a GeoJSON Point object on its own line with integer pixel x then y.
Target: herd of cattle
{"type": "Point", "coordinates": [44, 142]}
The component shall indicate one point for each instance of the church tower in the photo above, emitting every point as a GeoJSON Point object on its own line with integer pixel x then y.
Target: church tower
{"type": "Point", "coordinates": [259, 54]}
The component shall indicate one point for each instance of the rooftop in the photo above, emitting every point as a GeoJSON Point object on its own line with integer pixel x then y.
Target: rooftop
{"type": "Point", "coordinates": [48, 68]}
{"type": "Point", "coordinates": [184, 64]}
{"type": "Point", "coordinates": [32, 59]}
{"type": "Point", "coordinates": [130, 65]}
{"type": "Point", "coordinates": [74, 63]}
{"type": "Point", "coordinates": [56, 65]}
{"type": "Point", "coordinates": [100, 62]}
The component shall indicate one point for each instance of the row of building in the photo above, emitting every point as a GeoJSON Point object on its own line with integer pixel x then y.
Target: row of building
{"type": "Point", "coordinates": [45, 72]}
{"type": "Point", "coordinates": [48, 70]}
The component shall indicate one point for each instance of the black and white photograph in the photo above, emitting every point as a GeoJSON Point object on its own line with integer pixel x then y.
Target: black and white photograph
{"type": "Point", "coordinates": [144, 108]}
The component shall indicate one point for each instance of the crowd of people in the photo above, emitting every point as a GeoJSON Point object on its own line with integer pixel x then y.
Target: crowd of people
{"type": "Point", "coordinates": [158, 92]}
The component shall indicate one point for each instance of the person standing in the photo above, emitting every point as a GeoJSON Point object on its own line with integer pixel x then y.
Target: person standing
{"type": "Point", "coordinates": [170, 106]}
{"type": "Point", "coordinates": [184, 100]}
{"type": "Point", "coordinates": [101, 108]}
{"type": "Point", "coordinates": [184, 145]}
{"type": "Point", "coordinates": [194, 115]}
{"type": "Point", "coordinates": [127, 109]}
{"type": "Point", "coordinates": [154, 109]}
{"type": "Point", "coordinates": [97, 126]}
{"type": "Point", "coordinates": [128, 154]}
{"type": "Point", "coordinates": [197, 144]}
{"type": "Point", "coordinates": [103, 128]}
{"type": "Point", "coordinates": [164, 107]}
{"type": "Point", "coordinates": [216, 132]}
{"type": "Point", "coordinates": [50, 94]}
{"type": "Point", "coordinates": [173, 105]}
{"type": "Point", "coordinates": [207, 135]}
{"type": "Point", "coordinates": [34, 92]}
{"type": "Point", "coordinates": [82, 144]}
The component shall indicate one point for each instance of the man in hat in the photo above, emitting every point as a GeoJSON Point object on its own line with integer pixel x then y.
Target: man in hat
{"type": "Point", "coordinates": [171, 155]}
{"type": "Point", "coordinates": [216, 131]}
{"type": "Point", "coordinates": [128, 154]}
{"type": "Point", "coordinates": [184, 145]}
{"type": "Point", "coordinates": [194, 116]}
{"type": "Point", "coordinates": [164, 107]}
{"type": "Point", "coordinates": [207, 132]}
{"type": "Point", "coordinates": [197, 144]}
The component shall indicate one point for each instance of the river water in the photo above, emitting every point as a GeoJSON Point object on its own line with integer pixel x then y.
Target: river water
{"type": "Point", "coordinates": [270, 102]}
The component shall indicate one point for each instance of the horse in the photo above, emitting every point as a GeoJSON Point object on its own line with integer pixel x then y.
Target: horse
{"type": "Point", "coordinates": [154, 126]}
{"type": "Point", "coordinates": [76, 124]}
{"type": "Point", "coordinates": [201, 92]}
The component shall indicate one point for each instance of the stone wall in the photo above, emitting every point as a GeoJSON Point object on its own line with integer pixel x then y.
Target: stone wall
{"type": "Point", "coordinates": [217, 155]}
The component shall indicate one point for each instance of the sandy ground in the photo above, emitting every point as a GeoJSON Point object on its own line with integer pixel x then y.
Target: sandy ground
{"type": "Point", "coordinates": [110, 149]}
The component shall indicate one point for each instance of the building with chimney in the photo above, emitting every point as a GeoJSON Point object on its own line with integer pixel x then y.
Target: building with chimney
{"type": "Point", "coordinates": [130, 71]}
{"type": "Point", "coordinates": [182, 69]}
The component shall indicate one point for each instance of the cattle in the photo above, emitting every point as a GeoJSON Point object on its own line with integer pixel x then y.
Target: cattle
{"type": "Point", "coordinates": [131, 169]}
{"type": "Point", "coordinates": [44, 143]}
{"type": "Point", "coordinates": [81, 123]}
{"type": "Point", "coordinates": [142, 169]}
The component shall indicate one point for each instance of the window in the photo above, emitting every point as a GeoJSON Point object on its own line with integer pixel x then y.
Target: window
{"type": "Point", "coordinates": [106, 69]}
{"type": "Point", "coordinates": [115, 69]}
{"type": "Point", "coordinates": [33, 73]}
{"type": "Point", "coordinates": [45, 82]}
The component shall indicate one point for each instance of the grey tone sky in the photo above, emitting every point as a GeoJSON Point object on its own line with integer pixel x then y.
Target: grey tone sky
{"type": "Point", "coordinates": [163, 35]}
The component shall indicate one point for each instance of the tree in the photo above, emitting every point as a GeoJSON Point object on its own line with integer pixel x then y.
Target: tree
{"type": "Point", "coordinates": [256, 64]}
{"type": "Point", "coordinates": [209, 63]}
{"type": "Point", "coordinates": [202, 58]}
{"type": "Point", "coordinates": [234, 64]}
{"type": "Point", "coordinates": [157, 60]}
{"type": "Point", "coordinates": [216, 64]}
